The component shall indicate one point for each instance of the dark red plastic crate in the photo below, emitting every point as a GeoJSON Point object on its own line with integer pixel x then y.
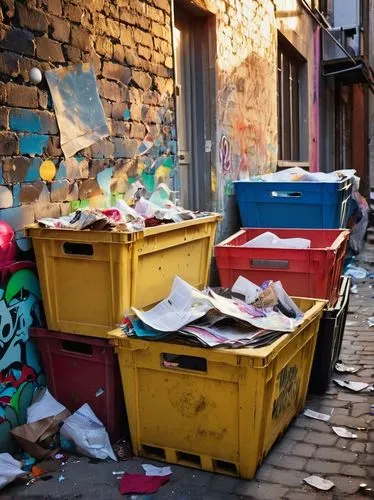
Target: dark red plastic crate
{"type": "Point", "coordinates": [84, 370]}
{"type": "Point", "coordinates": [313, 272]}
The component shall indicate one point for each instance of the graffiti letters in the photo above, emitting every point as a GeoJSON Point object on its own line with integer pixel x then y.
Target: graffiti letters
{"type": "Point", "coordinates": [289, 383]}
{"type": "Point", "coordinates": [20, 373]}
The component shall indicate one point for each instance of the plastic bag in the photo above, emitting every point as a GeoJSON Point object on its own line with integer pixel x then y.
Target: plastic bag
{"type": "Point", "coordinates": [10, 469]}
{"type": "Point", "coordinates": [355, 272]}
{"type": "Point", "coordinates": [270, 240]}
{"type": "Point", "coordinates": [88, 434]}
{"type": "Point", "coordinates": [44, 406]}
{"type": "Point", "coordinates": [132, 219]}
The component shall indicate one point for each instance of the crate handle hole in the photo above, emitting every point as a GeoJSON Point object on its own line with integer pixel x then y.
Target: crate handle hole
{"type": "Point", "coordinates": [188, 458]}
{"type": "Point", "coordinates": [78, 347]}
{"type": "Point", "coordinates": [154, 451]}
{"type": "Point", "coordinates": [183, 362]}
{"type": "Point", "coordinates": [225, 467]}
{"type": "Point", "coordinates": [286, 194]}
{"type": "Point", "coordinates": [78, 249]}
{"type": "Point", "coordinates": [270, 264]}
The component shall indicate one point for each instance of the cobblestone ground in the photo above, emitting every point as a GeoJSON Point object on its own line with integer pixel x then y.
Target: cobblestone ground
{"type": "Point", "coordinates": [309, 446]}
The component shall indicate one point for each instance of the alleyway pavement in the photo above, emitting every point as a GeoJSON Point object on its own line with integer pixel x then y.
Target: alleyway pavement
{"type": "Point", "coordinates": [308, 447]}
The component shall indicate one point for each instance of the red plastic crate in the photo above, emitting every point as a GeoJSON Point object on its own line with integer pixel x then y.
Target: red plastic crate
{"type": "Point", "coordinates": [84, 370]}
{"type": "Point", "coordinates": [313, 272]}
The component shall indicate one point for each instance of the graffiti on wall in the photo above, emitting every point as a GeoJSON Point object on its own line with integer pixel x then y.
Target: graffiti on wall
{"type": "Point", "coordinates": [20, 371]}
{"type": "Point", "coordinates": [246, 121]}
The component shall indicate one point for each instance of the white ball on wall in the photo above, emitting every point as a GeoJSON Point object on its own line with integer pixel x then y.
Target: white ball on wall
{"type": "Point", "coordinates": [35, 75]}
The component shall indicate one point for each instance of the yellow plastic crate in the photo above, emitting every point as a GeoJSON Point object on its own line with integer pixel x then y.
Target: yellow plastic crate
{"type": "Point", "coordinates": [89, 279]}
{"type": "Point", "coordinates": [222, 409]}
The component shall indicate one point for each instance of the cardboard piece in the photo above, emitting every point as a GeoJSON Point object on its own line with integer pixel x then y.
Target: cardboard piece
{"type": "Point", "coordinates": [37, 437]}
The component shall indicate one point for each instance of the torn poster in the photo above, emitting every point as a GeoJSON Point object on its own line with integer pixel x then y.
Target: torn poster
{"type": "Point", "coordinates": [79, 112]}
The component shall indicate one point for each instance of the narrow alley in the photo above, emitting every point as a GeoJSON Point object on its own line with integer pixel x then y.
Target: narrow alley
{"type": "Point", "coordinates": [186, 249]}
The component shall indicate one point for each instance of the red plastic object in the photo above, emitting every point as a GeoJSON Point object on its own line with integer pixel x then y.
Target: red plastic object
{"type": "Point", "coordinates": [313, 272]}
{"type": "Point", "coordinates": [84, 370]}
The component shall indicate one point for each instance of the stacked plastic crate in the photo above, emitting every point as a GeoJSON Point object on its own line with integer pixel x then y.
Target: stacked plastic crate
{"type": "Point", "coordinates": [317, 211]}
{"type": "Point", "coordinates": [89, 281]}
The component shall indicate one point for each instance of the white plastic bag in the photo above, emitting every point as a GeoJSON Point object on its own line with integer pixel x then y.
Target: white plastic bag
{"type": "Point", "coordinates": [10, 469]}
{"type": "Point", "coordinates": [88, 434]}
{"type": "Point", "coordinates": [270, 240]}
{"type": "Point", "coordinates": [44, 406]}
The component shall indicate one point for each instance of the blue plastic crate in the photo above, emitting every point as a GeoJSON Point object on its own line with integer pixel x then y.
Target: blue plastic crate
{"type": "Point", "coordinates": [319, 205]}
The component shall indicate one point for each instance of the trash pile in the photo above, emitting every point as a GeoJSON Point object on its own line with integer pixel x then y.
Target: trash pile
{"type": "Point", "coordinates": [50, 428]}
{"type": "Point", "coordinates": [52, 438]}
{"type": "Point", "coordinates": [246, 315]}
{"type": "Point", "coordinates": [133, 213]}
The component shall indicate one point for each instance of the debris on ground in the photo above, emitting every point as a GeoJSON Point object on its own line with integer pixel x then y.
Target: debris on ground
{"type": "Point", "coordinates": [317, 415]}
{"type": "Point", "coordinates": [351, 385]}
{"type": "Point", "coordinates": [344, 433]}
{"type": "Point", "coordinates": [141, 484]}
{"type": "Point", "coordinates": [342, 368]}
{"type": "Point", "coordinates": [319, 483]}
{"type": "Point", "coordinates": [152, 470]}
{"type": "Point", "coordinates": [88, 434]}
{"type": "Point", "coordinates": [10, 469]}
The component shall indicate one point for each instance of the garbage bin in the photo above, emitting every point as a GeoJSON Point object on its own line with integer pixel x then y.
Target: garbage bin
{"type": "Point", "coordinates": [319, 205]}
{"type": "Point", "coordinates": [84, 370]}
{"type": "Point", "coordinates": [219, 410]}
{"type": "Point", "coordinates": [90, 279]}
{"type": "Point", "coordinates": [329, 340]}
{"type": "Point", "coordinates": [310, 272]}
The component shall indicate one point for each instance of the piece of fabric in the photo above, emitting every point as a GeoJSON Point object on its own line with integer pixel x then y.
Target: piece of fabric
{"type": "Point", "coordinates": [138, 483]}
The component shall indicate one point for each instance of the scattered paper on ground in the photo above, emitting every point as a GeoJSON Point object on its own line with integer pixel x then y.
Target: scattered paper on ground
{"type": "Point", "coordinates": [152, 470]}
{"type": "Point", "coordinates": [351, 385]}
{"type": "Point", "coordinates": [344, 433]}
{"type": "Point", "coordinates": [342, 368]}
{"type": "Point", "coordinates": [319, 483]}
{"type": "Point", "coordinates": [317, 415]}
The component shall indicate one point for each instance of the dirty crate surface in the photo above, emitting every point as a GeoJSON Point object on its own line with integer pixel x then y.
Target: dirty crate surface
{"type": "Point", "coordinates": [220, 410]}
{"type": "Point", "coordinates": [90, 279]}
{"type": "Point", "coordinates": [310, 272]}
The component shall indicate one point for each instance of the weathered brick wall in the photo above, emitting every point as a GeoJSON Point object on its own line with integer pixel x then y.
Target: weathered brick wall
{"type": "Point", "coordinates": [129, 44]}
{"type": "Point", "coordinates": [246, 87]}
{"type": "Point", "coordinates": [246, 125]}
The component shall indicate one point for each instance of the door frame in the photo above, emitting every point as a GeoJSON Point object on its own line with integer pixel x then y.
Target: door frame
{"type": "Point", "coordinates": [203, 110]}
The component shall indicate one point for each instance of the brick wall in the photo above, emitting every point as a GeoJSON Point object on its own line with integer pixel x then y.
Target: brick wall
{"type": "Point", "coordinates": [246, 86]}
{"type": "Point", "coordinates": [129, 44]}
